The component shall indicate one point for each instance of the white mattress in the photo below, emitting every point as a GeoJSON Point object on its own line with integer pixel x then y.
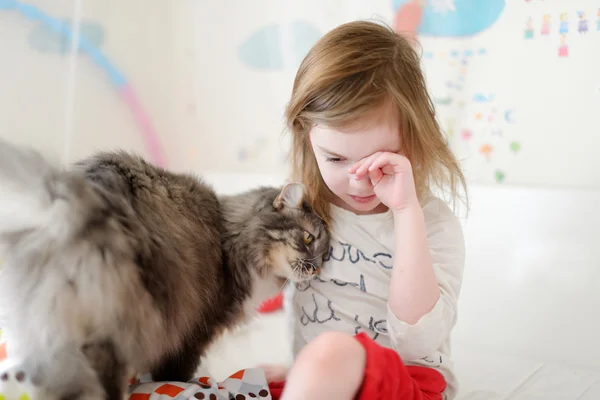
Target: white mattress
{"type": "Point", "coordinates": [527, 326]}
{"type": "Point", "coordinates": [511, 377]}
{"type": "Point", "coordinates": [483, 375]}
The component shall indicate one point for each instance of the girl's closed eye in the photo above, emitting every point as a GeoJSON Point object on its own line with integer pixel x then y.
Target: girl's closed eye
{"type": "Point", "coordinates": [334, 159]}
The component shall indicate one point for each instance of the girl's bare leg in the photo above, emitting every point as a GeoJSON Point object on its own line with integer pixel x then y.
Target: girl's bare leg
{"type": "Point", "coordinates": [330, 367]}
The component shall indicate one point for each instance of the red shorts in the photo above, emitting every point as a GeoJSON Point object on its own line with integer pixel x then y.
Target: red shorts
{"type": "Point", "coordinates": [386, 377]}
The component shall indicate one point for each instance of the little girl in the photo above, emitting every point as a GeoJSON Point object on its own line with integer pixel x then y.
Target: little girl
{"type": "Point", "coordinates": [376, 323]}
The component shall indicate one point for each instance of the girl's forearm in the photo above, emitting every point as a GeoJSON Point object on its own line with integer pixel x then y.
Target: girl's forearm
{"type": "Point", "coordinates": [413, 287]}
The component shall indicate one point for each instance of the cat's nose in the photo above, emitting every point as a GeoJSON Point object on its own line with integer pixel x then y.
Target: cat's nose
{"type": "Point", "coordinates": [311, 269]}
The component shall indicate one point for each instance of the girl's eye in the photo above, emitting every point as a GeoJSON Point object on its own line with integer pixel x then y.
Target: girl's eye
{"type": "Point", "coordinates": [334, 159]}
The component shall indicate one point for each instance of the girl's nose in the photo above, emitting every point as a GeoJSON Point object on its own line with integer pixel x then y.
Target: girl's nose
{"type": "Point", "coordinates": [364, 183]}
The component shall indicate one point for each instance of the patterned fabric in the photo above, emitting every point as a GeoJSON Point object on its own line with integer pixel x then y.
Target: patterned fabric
{"type": "Point", "coordinates": [245, 384]}
{"type": "Point", "coordinates": [249, 384]}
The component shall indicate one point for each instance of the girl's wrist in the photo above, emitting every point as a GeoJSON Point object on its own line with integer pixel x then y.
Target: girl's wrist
{"type": "Point", "coordinates": [412, 209]}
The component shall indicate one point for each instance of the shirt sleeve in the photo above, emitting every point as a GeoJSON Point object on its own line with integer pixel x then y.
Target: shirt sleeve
{"type": "Point", "coordinates": [446, 245]}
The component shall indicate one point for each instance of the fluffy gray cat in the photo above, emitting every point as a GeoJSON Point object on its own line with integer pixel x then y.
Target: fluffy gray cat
{"type": "Point", "coordinates": [115, 266]}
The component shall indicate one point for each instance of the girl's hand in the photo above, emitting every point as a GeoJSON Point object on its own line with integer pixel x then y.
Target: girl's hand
{"type": "Point", "coordinates": [392, 179]}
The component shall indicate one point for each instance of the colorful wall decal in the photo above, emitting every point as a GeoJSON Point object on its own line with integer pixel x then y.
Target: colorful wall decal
{"type": "Point", "coordinates": [529, 28]}
{"type": "Point", "coordinates": [408, 17]}
{"type": "Point", "coordinates": [582, 25]}
{"type": "Point", "coordinates": [278, 46]}
{"type": "Point", "coordinates": [563, 49]}
{"type": "Point", "coordinates": [480, 119]}
{"type": "Point", "coordinates": [486, 150]}
{"type": "Point", "coordinates": [545, 30]}
{"type": "Point", "coordinates": [47, 40]}
{"type": "Point", "coordinates": [443, 101]}
{"type": "Point", "coordinates": [483, 98]}
{"type": "Point", "coordinates": [515, 147]}
{"type": "Point", "coordinates": [455, 18]}
{"type": "Point", "coordinates": [500, 176]}
{"type": "Point", "coordinates": [455, 53]}
{"type": "Point", "coordinates": [62, 28]}
{"type": "Point", "coordinates": [563, 26]}
{"type": "Point", "coordinates": [510, 116]}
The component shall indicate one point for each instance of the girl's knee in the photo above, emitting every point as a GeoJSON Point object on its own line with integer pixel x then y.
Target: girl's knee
{"type": "Point", "coordinates": [333, 365]}
{"type": "Point", "coordinates": [335, 350]}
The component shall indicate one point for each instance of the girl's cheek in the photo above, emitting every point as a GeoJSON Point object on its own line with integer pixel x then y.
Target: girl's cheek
{"type": "Point", "coordinates": [337, 176]}
{"type": "Point", "coordinates": [336, 170]}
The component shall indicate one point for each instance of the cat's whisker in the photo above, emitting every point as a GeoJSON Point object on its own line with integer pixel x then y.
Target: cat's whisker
{"type": "Point", "coordinates": [314, 258]}
{"type": "Point", "coordinates": [302, 265]}
{"type": "Point", "coordinates": [297, 273]}
{"type": "Point", "coordinates": [284, 283]}
{"type": "Point", "coordinates": [293, 276]}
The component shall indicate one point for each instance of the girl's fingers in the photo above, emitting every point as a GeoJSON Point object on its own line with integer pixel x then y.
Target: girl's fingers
{"type": "Point", "coordinates": [354, 169]}
{"type": "Point", "coordinates": [362, 168]}
{"type": "Point", "coordinates": [375, 175]}
{"type": "Point", "coordinates": [384, 161]}
{"type": "Point", "coordinates": [388, 170]}
{"type": "Point", "coordinates": [365, 163]}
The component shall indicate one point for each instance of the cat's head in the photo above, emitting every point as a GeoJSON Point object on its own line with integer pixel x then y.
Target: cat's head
{"type": "Point", "coordinates": [296, 237]}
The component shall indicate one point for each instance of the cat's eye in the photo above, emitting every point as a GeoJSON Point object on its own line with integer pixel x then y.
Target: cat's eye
{"type": "Point", "coordinates": [308, 238]}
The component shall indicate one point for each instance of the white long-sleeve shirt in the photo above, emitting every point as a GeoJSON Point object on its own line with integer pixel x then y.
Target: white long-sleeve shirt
{"type": "Point", "coordinates": [351, 293]}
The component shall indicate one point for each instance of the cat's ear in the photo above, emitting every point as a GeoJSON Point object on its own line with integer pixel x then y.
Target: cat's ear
{"type": "Point", "coordinates": [291, 196]}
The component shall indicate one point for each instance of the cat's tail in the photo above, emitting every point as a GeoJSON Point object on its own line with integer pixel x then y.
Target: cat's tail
{"type": "Point", "coordinates": [38, 197]}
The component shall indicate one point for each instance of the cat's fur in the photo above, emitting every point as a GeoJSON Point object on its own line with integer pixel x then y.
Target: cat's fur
{"type": "Point", "coordinates": [117, 266]}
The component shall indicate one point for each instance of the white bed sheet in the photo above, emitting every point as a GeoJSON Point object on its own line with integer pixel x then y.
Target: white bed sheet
{"type": "Point", "coordinates": [483, 374]}
{"type": "Point", "coordinates": [487, 376]}
{"type": "Point", "coordinates": [527, 326]}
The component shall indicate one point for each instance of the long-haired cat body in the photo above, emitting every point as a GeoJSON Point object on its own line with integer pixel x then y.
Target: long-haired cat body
{"type": "Point", "coordinates": [116, 266]}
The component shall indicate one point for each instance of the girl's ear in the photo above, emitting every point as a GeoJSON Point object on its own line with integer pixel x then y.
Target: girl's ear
{"type": "Point", "coordinates": [291, 196]}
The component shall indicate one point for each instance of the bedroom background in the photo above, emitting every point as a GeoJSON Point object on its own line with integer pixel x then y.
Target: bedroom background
{"type": "Point", "coordinates": [514, 82]}
{"type": "Point", "coordinates": [201, 86]}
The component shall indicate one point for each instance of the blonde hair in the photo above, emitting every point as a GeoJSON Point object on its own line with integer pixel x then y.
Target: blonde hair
{"type": "Point", "coordinates": [350, 71]}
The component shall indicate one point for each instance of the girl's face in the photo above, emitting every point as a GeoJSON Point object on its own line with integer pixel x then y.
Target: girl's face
{"type": "Point", "coordinates": [336, 150]}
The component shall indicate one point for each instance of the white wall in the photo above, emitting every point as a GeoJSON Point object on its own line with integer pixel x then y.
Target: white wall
{"type": "Point", "coordinates": [545, 104]}
{"type": "Point", "coordinates": [144, 39]}
{"type": "Point", "coordinates": [214, 110]}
